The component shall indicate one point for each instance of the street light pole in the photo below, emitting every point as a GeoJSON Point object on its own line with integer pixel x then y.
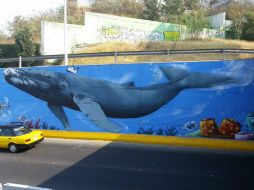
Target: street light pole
{"type": "Point", "coordinates": [65, 34]}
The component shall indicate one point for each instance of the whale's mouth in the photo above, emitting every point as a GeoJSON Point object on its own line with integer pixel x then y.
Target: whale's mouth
{"type": "Point", "coordinates": [11, 72]}
{"type": "Point", "coordinates": [14, 76]}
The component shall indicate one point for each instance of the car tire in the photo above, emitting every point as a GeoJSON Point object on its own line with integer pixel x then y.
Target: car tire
{"type": "Point", "coordinates": [13, 148]}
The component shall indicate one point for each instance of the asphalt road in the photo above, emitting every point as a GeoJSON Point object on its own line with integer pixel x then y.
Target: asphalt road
{"type": "Point", "coordinates": [98, 165]}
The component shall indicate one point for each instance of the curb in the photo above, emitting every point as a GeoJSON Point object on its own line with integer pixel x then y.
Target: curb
{"type": "Point", "coordinates": [228, 144]}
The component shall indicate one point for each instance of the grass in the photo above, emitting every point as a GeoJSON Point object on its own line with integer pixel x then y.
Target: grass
{"type": "Point", "coordinates": [181, 45]}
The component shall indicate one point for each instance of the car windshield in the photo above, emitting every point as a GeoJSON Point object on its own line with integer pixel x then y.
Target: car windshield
{"type": "Point", "coordinates": [21, 131]}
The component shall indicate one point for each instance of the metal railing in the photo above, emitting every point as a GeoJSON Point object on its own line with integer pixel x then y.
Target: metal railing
{"type": "Point", "coordinates": [126, 53]}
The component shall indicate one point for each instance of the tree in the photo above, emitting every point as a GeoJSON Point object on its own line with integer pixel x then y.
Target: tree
{"type": "Point", "coordinates": [2, 36]}
{"type": "Point", "coordinates": [236, 14]}
{"type": "Point", "coordinates": [192, 4]}
{"type": "Point", "coordinates": [130, 8]}
{"type": "Point", "coordinates": [195, 21]}
{"type": "Point", "coordinates": [151, 10]}
{"type": "Point", "coordinates": [34, 23]}
{"type": "Point", "coordinates": [24, 42]}
{"type": "Point", "coordinates": [172, 9]}
{"type": "Point", "coordinates": [248, 27]}
{"type": "Point", "coordinates": [75, 16]}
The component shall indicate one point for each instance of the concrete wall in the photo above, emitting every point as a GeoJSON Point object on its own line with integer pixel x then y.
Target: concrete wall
{"type": "Point", "coordinates": [182, 99]}
{"type": "Point", "coordinates": [52, 37]}
{"type": "Point", "coordinates": [102, 28]}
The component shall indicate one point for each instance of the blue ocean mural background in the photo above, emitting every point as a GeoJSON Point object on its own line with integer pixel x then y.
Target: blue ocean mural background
{"type": "Point", "coordinates": [181, 116]}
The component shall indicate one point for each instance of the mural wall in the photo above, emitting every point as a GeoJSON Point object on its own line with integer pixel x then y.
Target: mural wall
{"type": "Point", "coordinates": [211, 99]}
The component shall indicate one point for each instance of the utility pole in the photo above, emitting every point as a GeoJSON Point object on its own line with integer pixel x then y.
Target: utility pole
{"type": "Point", "coordinates": [65, 34]}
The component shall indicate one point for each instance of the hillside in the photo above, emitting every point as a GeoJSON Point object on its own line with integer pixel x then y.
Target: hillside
{"type": "Point", "coordinates": [181, 45]}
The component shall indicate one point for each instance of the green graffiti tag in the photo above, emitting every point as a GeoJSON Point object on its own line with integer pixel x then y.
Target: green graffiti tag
{"type": "Point", "coordinates": [171, 36]}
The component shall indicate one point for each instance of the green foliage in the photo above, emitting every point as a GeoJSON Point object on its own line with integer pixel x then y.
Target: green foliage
{"type": "Point", "coordinates": [248, 27]}
{"type": "Point", "coordinates": [172, 9]}
{"type": "Point", "coordinates": [24, 42]}
{"type": "Point", "coordinates": [151, 10]}
{"type": "Point", "coordinates": [34, 22]}
{"type": "Point", "coordinates": [7, 50]}
{"type": "Point", "coordinates": [232, 32]}
{"type": "Point", "coordinates": [195, 22]}
{"type": "Point", "coordinates": [192, 4]}
{"type": "Point", "coordinates": [130, 8]}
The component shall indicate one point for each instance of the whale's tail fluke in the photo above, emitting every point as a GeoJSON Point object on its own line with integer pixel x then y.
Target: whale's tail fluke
{"type": "Point", "coordinates": [185, 79]}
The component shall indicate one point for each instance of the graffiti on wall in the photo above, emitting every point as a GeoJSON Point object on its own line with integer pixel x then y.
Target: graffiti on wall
{"type": "Point", "coordinates": [171, 36]}
{"type": "Point", "coordinates": [183, 100]}
{"type": "Point", "coordinates": [129, 34]}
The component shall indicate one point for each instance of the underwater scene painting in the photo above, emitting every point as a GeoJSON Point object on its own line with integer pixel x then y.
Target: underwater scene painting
{"type": "Point", "coordinates": [196, 99]}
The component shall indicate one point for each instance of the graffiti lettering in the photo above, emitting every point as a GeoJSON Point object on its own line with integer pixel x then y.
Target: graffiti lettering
{"type": "Point", "coordinates": [128, 34]}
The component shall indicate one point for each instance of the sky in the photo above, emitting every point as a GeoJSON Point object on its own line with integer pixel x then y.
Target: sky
{"type": "Point", "coordinates": [11, 8]}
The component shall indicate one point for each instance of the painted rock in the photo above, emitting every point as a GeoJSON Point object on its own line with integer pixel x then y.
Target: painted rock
{"type": "Point", "coordinates": [208, 127]}
{"type": "Point", "coordinates": [244, 136]}
{"type": "Point", "coordinates": [229, 127]}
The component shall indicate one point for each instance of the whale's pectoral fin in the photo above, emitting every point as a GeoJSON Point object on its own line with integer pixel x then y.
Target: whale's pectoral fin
{"type": "Point", "coordinates": [93, 111]}
{"type": "Point", "coordinates": [60, 114]}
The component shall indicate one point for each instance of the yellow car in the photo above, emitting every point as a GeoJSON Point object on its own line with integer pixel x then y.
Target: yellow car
{"type": "Point", "coordinates": [16, 136]}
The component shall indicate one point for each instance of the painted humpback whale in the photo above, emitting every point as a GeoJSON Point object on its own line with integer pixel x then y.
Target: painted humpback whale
{"type": "Point", "coordinates": [99, 99]}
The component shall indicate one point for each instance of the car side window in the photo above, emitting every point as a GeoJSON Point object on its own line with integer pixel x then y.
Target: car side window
{"type": "Point", "coordinates": [7, 132]}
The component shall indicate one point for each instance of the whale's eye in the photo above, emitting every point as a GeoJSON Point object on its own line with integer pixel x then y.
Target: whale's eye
{"type": "Point", "coordinates": [63, 84]}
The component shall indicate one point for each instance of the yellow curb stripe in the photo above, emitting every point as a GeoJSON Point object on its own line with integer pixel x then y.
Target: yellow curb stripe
{"type": "Point", "coordinates": [229, 144]}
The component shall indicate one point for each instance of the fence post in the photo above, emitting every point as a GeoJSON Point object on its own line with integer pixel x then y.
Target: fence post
{"type": "Point", "coordinates": [168, 52]}
{"type": "Point", "coordinates": [223, 54]}
{"type": "Point", "coordinates": [20, 61]}
{"type": "Point", "coordinates": [115, 54]}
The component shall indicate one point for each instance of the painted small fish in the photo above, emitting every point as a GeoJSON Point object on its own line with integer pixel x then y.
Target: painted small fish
{"type": "Point", "coordinates": [72, 69]}
{"type": "Point", "coordinates": [190, 126]}
{"type": "Point", "coordinates": [4, 106]}
{"type": "Point", "coordinates": [22, 118]}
